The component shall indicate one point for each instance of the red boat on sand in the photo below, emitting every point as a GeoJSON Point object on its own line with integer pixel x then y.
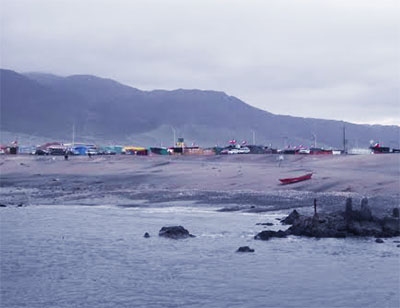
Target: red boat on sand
{"type": "Point", "coordinates": [296, 179]}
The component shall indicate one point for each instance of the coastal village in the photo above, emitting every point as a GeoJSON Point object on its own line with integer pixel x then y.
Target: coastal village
{"type": "Point", "coordinates": [181, 148]}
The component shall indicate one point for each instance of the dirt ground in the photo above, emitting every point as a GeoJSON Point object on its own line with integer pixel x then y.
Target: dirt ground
{"type": "Point", "coordinates": [234, 182]}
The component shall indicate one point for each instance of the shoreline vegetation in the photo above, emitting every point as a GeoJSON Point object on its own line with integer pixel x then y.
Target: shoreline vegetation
{"type": "Point", "coordinates": [232, 183]}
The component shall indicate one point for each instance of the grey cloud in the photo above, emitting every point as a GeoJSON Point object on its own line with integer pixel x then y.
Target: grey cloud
{"type": "Point", "coordinates": [327, 59]}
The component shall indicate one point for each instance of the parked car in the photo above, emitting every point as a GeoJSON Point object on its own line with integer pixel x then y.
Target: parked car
{"type": "Point", "coordinates": [41, 152]}
{"type": "Point", "coordinates": [241, 150]}
{"type": "Point", "coordinates": [92, 152]}
{"type": "Point", "coordinates": [109, 152]}
{"type": "Point", "coordinates": [72, 152]}
{"type": "Point", "coordinates": [56, 150]}
{"type": "Point", "coordinates": [244, 150]}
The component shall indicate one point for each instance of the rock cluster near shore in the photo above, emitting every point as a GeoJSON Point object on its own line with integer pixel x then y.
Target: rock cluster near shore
{"type": "Point", "coordinates": [339, 224]}
{"type": "Point", "coordinates": [175, 232]}
{"type": "Point", "coordinates": [245, 249]}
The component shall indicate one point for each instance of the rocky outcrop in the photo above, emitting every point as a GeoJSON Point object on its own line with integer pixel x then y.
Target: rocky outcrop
{"type": "Point", "coordinates": [245, 249]}
{"type": "Point", "coordinates": [264, 224]}
{"type": "Point", "coordinates": [267, 234]}
{"type": "Point", "coordinates": [339, 224]}
{"type": "Point", "coordinates": [291, 218]}
{"type": "Point", "coordinates": [348, 223]}
{"type": "Point", "coordinates": [319, 226]}
{"type": "Point", "coordinates": [175, 232]}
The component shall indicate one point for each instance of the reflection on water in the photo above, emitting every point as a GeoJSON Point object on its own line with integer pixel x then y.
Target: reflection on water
{"type": "Point", "coordinates": [97, 257]}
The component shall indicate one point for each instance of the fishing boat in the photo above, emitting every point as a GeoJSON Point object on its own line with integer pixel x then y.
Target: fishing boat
{"type": "Point", "coordinates": [296, 179]}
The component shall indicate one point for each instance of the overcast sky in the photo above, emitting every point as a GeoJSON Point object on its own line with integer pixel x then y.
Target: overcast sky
{"type": "Point", "coordinates": [329, 59]}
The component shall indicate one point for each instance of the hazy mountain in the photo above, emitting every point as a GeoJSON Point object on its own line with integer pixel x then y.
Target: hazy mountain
{"type": "Point", "coordinates": [104, 110]}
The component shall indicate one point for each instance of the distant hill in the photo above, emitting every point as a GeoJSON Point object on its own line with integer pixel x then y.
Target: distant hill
{"type": "Point", "coordinates": [103, 110]}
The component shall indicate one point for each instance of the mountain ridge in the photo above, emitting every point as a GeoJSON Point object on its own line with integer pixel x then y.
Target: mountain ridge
{"type": "Point", "coordinates": [103, 109]}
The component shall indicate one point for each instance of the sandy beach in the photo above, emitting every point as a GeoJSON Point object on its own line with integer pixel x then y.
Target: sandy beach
{"type": "Point", "coordinates": [236, 182]}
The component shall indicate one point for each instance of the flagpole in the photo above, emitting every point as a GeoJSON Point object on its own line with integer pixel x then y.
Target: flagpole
{"type": "Point", "coordinates": [254, 137]}
{"type": "Point", "coordinates": [73, 135]}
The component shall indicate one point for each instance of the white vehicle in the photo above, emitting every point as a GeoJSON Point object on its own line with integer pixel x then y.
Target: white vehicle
{"type": "Point", "coordinates": [240, 150]}
{"type": "Point", "coordinates": [244, 150]}
{"type": "Point", "coordinates": [92, 152]}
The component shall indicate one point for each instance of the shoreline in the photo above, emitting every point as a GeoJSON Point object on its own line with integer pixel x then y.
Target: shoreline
{"type": "Point", "coordinates": [234, 182]}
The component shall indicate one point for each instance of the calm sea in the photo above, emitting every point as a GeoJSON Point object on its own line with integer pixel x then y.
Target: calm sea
{"type": "Point", "coordinates": [82, 256]}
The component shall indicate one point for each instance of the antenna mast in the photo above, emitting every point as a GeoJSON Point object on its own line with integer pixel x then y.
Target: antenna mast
{"type": "Point", "coordinates": [73, 134]}
{"type": "Point", "coordinates": [344, 139]}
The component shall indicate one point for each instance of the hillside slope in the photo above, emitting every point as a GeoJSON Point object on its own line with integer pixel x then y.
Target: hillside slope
{"type": "Point", "coordinates": [104, 110]}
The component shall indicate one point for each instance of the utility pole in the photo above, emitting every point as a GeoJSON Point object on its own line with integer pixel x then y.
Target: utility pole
{"type": "Point", "coordinates": [344, 139]}
{"type": "Point", "coordinates": [315, 140]}
{"type": "Point", "coordinates": [73, 135]}
{"type": "Point", "coordinates": [254, 137]}
{"type": "Point", "coordinates": [173, 130]}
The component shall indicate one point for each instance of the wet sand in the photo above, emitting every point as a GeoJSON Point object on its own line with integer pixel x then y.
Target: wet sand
{"type": "Point", "coordinates": [234, 182]}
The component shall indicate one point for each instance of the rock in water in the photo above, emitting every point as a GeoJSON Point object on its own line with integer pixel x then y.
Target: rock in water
{"type": "Point", "coordinates": [175, 232]}
{"type": "Point", "coordinates": [291, 218]}
{"type": "Point", "coordinates": [365, 212]}
{"type": "Point", "coordinates": [390, 226]}
{"type": "Point", "coordinates": [245, 249]}
{"type": "Point", "coordinates": [146, 235]}
{"type": "Point", "coordinates": [267, 234]}
{"type": "Point", "coordinates": [341, 224]}
{"type": "Point", "coordinates": [349, 209]}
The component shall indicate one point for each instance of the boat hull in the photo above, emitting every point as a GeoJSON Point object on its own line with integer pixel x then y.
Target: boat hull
{"type": "Point", "coordinates": [296, 179]}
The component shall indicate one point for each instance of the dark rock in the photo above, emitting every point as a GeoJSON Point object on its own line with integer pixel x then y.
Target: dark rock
{"type": "Point", "coordinates": [175, 232]}
{"type": "Point", "coordinates": [291, 218]}
{"type": "Point", "coordinates": [364, 202]}
{"type": "Point", "coordinates": [316, 226]}
{"type": "Point", "coordinates": [365, 212]}
{"type": "Point", "coordinates": [349, 206]}
{"type": "Point", "coordinates": [264, 224]}
{"type": "Point", "coordinates": [338, 224]}
{"type": "Point", "coordinates": [230, 209]}
{"type": "Point", "coordinates": [395, 212]}
{"type": "Point", "coordinates": [348, 223]}
{"type": "Point", "coordinates": [379, 240]}
{"type": "Point", "coordinates": [267, 234]}
{"type": "Point", "coordinates": [360, 228]}
{"type": "Point", "coordinates": [391, 226]}
{"type": "Point", "coordinates": [3, 205]}
{"type": "Point", "coordinates": [146, 235]}
{"type": "Point", "coordinates": [245, 249]}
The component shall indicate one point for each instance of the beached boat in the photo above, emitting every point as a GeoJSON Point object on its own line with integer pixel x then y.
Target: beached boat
{"type": "Point", "coordinates": [296, 179]}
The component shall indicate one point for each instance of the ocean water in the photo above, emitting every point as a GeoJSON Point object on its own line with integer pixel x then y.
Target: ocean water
{"type": "Point", "coordinates": [96, 256]}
